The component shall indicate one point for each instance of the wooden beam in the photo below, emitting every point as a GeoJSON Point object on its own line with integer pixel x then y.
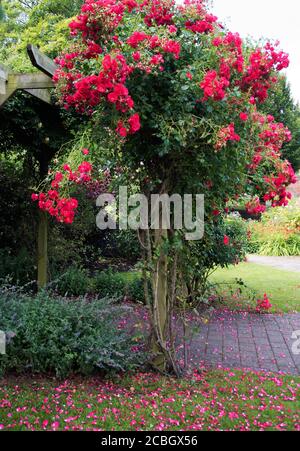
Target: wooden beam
{"type": "Point", "coordinates": [4, 97]}
{"type": "Point", "coordinates": [42, 94]}
{"type": "Point", "coordinates": [30, 81]}
{"type": "Point", "coordinates": [41, 61]}
{"type": "Point", "coordinates": [35, 84]}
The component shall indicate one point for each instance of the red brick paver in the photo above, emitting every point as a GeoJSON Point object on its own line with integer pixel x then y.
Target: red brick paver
{"type": "Point", "coordinates": [247, 340]}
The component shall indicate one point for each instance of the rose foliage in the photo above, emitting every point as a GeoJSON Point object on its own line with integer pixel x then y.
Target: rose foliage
{"type": "Point", "coordinates": [179, 92]}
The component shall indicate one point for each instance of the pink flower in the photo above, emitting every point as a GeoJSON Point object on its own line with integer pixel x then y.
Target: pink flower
{"type": "Point", "coordinates": [121, 129]}
{"type": "Point", "coordinates": [136, 56]}
{"type": "Point", "coordinates": [58, 177]}
{"type": "Point", "coordinates": [217, 41]}
{"type": "Point", "coordinates": [263, 304]}
{"type": "Point", "coordinates": [226, 134]}
{"type": "Point", "coordinates": [172, 28]}
{"type": "Point", "coordinates": [136, 38]}
{"type": "Point", "coordinates": [53, 194]}
{"type": "Point", "coordinates": [226, 240]}
{"type": "Point", "coordinates": [55, 425]}
{"type": "Point", "coordinates": [134, 123]}
{"type": "Point", "coordinates": [172, 47]}
{"type": "Point", "coordinates": [85, 167]}
{"type": "Point", "coordinates": [244, 117]}
{"type": "Point", "coordinates": [34, 197]}
{"type": "Point", "coordinates": [214, 86]}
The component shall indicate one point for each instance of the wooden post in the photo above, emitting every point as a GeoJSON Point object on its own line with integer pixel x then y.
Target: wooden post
{"type": "Point", "coordinates": [42, 250]}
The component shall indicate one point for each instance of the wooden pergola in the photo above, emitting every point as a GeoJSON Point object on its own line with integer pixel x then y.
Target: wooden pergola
{"type": "Point", "coordinates": [39, 85]}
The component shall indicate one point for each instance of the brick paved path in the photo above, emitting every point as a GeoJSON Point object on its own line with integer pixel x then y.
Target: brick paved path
{"type": "Point", "coordinates": [245, 340]}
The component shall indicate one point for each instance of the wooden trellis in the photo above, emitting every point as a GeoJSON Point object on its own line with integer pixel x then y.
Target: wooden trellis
{"type": "Point", "coordinates": [39, 85]}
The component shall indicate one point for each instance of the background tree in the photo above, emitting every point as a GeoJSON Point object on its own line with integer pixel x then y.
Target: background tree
{"type": "Point", "coordinates": [42, 22]}
{"type": "Point", "coordinates": [283, 107]}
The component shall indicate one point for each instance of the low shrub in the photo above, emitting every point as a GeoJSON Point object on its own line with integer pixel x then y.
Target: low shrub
{"type": "Point", "coordinates": [278, 233]}
{"type": "Point", "coordinates": [279, 246]}
{"type": "Point", "coordinates": [108, 283]}
{"type": "Point", "coordinates": [119, 244]}
{"type": "Point", "coordinates": [116, 285]}
{"type": "Point", "coordinates": [136, 291]}
{"type": "Point", "coordinates": [74, 282]}
{"type": "Point", "coordinates": [236, 228]}
{"type": "Point", "coordinates": [19, 266]}
{"type": "Point", "coordinates": [63, 337]}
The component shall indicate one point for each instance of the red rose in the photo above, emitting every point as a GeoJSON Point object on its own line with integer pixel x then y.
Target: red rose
{"type": "Point", "coordinates": [226, 240]}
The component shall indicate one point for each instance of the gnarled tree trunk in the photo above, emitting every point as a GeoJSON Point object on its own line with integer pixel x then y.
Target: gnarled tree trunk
{"type": "Point", "coordinates": [160, 301]}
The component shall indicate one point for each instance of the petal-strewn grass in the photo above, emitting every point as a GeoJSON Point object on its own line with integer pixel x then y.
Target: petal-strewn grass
{"type": "Point", "coordinates": [207, 400]}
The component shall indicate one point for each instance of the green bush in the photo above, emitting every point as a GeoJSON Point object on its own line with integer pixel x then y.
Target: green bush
{"type": "Point", "coordinates": [119, 244]}
{"type": "Point", "coordinates": [253, 246]}
{"type": "Point", "coordinates": [236, 228]}
{"type": "Point", "coordinates": [278, 233]}
{"type": "Point", "coordinates": [110, 284]}
{"type": "Point", "coordinates": [211, 252]}
{"type": "Point", "coordinates": [136, 290]}
{"type": "Point", "coordinates": [117, 285]}
{"type": "Point", "coordinates": [74, 282]}
{"type": "Point", "coordinates": [62, 337]}
{"type": "Point", "coordinates": [278, 245]}
{"type": "Point", "coordinates": [17, 266]}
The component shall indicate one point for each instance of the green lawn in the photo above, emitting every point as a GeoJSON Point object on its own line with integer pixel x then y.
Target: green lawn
{"type": "Point", "coordinates": [283, 287]}
{"type": "Point", "coordinates": [214, 400]}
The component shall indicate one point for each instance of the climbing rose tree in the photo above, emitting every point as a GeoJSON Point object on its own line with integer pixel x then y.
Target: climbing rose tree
{"type": "Point", "coordinates": [180, 98]}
